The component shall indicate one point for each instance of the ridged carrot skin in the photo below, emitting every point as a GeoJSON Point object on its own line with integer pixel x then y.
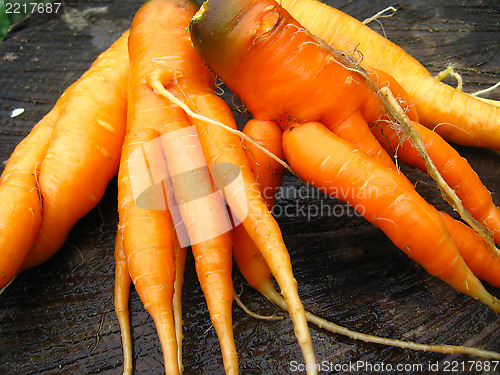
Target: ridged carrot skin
{"type": "Point", "coordinates": [456, 116]}
{"type": "Point", "coordinates": [84, 150]}
{"type": "Point", "coordinates": [267, 171]}
{"type": "Point", "coordinates": [205, 219]}
{"type": "Point", "coordinates": [383, 198]}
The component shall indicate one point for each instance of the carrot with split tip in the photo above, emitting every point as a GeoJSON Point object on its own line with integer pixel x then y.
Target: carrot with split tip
{"type": "Point", "coordinates": [456, 116]}
{"type": "Point", "coordinates": [21, 207]}
{"type": "Point", "coordinates": [148, 233]}
{"type": "Point", "coordinates": [148, 245]}
{"type": "Point", "coordinates": [255, 30]}
{"type": "Point", "coordinates": [257, 273]}
{"type": "Point", "coordinates": [221, 146]}
{"type": "Point", "coordinates": [326, 161]}
{"type": "Point", "coordinates": [168, 57]}
{"type": "Point", "coordinates": [204, 216]}
{"type": "Point", "coordinates": [244, 42]}
{"type": "Point", "coordinates": [84, 150]}
{"type": "Point", "coordinates": [455, 170]}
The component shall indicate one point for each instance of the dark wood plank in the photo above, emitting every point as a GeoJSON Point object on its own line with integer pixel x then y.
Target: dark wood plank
{"type": "Point", "coordinates": [58, 318]}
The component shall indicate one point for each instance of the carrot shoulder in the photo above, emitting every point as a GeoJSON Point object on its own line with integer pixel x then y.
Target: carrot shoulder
{"type": "Point", "coordinates": [457, 116]}
{"type": "Point", "coordinates": [84, 150]}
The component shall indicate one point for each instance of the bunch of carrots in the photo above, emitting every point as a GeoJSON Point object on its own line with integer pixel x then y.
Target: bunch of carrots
{"type": "Point", "coordinates": [187, 177]}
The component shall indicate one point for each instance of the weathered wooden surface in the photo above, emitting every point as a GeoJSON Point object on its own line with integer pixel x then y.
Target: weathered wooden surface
{"type": "Point", "coordinates": [58, 318]}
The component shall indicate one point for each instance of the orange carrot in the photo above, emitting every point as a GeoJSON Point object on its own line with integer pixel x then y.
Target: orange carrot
{"type": "Point", "coordinates": [258, 275]}
{"type": "Point", "coordinates": [215, 127]}
{"type": "Point", "coordinates": [84, 150]}
{"type": "Point", "coordinates": [255, 30]}
{"type": "Point", "coordinates": [483, 261]}
{"type": "Point", "coordinates": [381, 194]}
{"type": "Point", "coordinates": [455, 170]}
{"type": "Point", "coordinates": [268, 172]}
{"type": "Point", "coordinates": [204, 216]}
{"type": "Point", "coordinates": [456, 116]}
{"type": "Point", "coordinates": [164, 54]}
{"type": "Point", "coordinates": [221, 147]}
{"type": "Point", "coordinates": [21, 209]}
{"type": "Point", "coordinates": [327, 86]}
{"type": "Point", "coordinates": [148, 232]}
{"type": "Point", "coordinates": [474, 250]}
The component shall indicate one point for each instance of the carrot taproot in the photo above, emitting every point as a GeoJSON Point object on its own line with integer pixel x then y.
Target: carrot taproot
{"type": "Point", "coordinates": [327, 161]}
{"type": "Point", "coordinates": [255, 30]}
{"type": "Point", "coordinates": [121, 295]}
{"type": "Point", "coordinates": [180, 253]}
{"type": "Point", "coordinates": [214, 122]}
{"type": "Point", "coordinates": [258, 275]}
{"type": "Point", "coordinates": [456, 116]}
{"type": "Point", "coordinates": [84, 150]}
{"type": "Point", "coordinates": [21, 207]}
{"type": "Point", "coordinates": [239, 40]}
